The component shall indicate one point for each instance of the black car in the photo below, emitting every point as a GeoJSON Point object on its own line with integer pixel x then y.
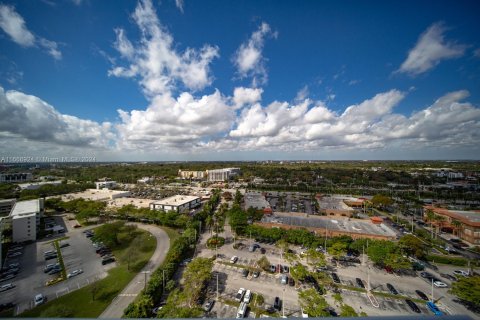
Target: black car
{"type": "Point", "coordinates": [335, 277]}
{"type": "Point", "coordinates": [50, 257]}
{"type": "Point", "coordinates": [277, 305]}
{"type": "Point", "coordinates": [412, 306]}
{"type": "Point", "coordinates": [244, 273]}
{"type": "Point", "coordinates": [392, 289]}
{"type": "Point", "coordinates": [108, 260]}
{"type": "Point", "coordinates": [6, 306]}
{"type": "Point", "coordinates": [263, 251]}
{"type": "Point", "coordinates": [360, 283]}
{"type": "Point", "coordinates": [426, 275]}
{"type": "Point", "coordinates": [421, 295]}
{"type": "Point", "coordinates": [291, 282]}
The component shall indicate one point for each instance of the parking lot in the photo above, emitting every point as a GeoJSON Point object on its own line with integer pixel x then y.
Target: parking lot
{"type": "Point", "coordinates": [268, 285]}
{"type": "Point", "coordinates": [31, 279]}
{"type": "Point", "coordinates": [291, 202]}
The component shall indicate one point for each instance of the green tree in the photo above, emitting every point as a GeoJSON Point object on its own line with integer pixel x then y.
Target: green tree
{"type": "Point", "coordinates": [411, 245]}
{"type": "Point", "coordinates": [264, 263]}
{"type": "Point", "coordinates": [315, 258]}
{"type": "Point", "coordinates": [381, 201]}
{"type": "Point", "coordinates": [313, 303]}
{"type": "Point", "coordinates": [298, 272]}
{"type": "Point", "coordinates": [467, 289]}
{"type": "Point", "coordinates": [198, 272]}
{"type": "Point", "coordinates": [347, 311]}
{"type": "Point", "coordinates": [338, 249]}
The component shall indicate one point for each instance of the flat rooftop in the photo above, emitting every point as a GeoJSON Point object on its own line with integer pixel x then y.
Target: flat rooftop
{"type": "Point", "coordinates": [176, 200]}
{"type": "Point", "coordinates": [137, 202]}
{"type": "Point", "coordinates": [470, 215]}
{"type": "Point", "coordinates": [25, 208]}
{"type": "Point", "coordinates": [93, 194]}
{"type": "Point", "coordinates": [335, 224]}
{"type": "Point", "coordinates": [335, 203]}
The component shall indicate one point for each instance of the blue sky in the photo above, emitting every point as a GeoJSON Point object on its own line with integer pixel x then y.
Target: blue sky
{"type": "Point", "coordinates": [227, 80]}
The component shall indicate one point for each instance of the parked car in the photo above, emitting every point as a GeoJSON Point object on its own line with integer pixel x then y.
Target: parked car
{"type": "Point", "coordinates": [448, 276]}
{"type": "Point", "coordinates": [291, 282]}
{"type": "Point", "coordinates": [6, 306]}
{"type": "Point", "coordinates": [413, 306]}
{"type": "Point", "coordinates": [74, 273]}
{"type": "Point", "coordinates": [6, 287]}
{"type": "Point", "coordinates": [244, 273]}
{"type": "Point", "coordinates": [392, 289]}
{"type": "Point", "coordinates": [434, 308]}
{"type": "Point", "coordinates": [284, 279]}
{"type": "Point", "coordinates": [277, 304]}
{"type": "Point", "coordinates": [50, 257]}
{"type": "Point", "coordinates": [39, 299]}
{"type": "Point", "coordinates": [426, 275]}
{"type": "Point", "coordinates": [247, 296]}
{"type": "Point", "coordinates": [285, 269]}
{"type": "Point", "coordinates": [11, 266]}
{"type": "Point", "coordinates": [7, 277]}
{"type": "Point", "coordinates": [461, 273]}
{"type": "Point", "coordinates": [263, 251]}
{"type": "Point", "coordinates": [14, 254]}
{"type": "Point", "coordinates": [421, 295]}
{"type": "Point", "coordinates": [55, 270]}
{"type": "Point", "coordinates": [11, 271]}
{"type": "Point", "coordinates": [360, 283]}
{"type": "Point", "coordinates": [50, 266]}
{"type": "Point", "coordinates": [208, 305]}
{"type": "Point", "coordinates": [256, 274]}
{"type": "Point", "coordinates": [239, 295]}
{"type": "Point", "coordinates": [335, 277]}
{"type": "Point", "coordinates": [439, 284]}
{"type": "Point", "coordinates": [272, 268]}
{"type": "Point", "coordinates": [107, 260]}
{"type": "Point", "coordinates": [234, 259]}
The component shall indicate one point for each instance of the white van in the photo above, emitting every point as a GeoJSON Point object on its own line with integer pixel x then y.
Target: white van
{"type": "Point", "coordinates": [242, 309]}
{"type": "Point", "coordinates": [247, 297]}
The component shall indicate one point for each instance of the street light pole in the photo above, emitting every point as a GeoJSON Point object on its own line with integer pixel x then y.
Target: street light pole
{"type": "Point", "coordinates": [283, 303]}
{"type": "Point", "coordinates": [217, 287]}
{"type": "Point", "coordinates": [145, 273]}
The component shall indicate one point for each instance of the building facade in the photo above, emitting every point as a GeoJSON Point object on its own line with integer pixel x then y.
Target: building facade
{"type": "Point", "coordinates": [6, 206]}
{"type": "Point", "coordinates": [222, 174]}
{"type": "Point", "coordinates": [195, 175]}
{"type": "Point", "coordinates": [25, 220]}
{"type": "Point", "coordinates": [463, 224]}
{"type": "Point", "coordinates": [15, 177]}
{"type": "Point", "coordinates": [178, 203]}
{"type": "Point", "coordinates": [108, 184]}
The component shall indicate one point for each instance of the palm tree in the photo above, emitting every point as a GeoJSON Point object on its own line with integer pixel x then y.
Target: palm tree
{"type": "Point", "coordinates": [439, 223]}
{"type": "Point", "coordinates": [209, 222]}
{"type": "Point", "coordinates": [457, 226]}
{"type": "Point", "coordinates": [430, 218]}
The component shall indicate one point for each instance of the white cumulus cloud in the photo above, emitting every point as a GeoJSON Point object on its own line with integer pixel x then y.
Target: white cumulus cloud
{"type": "Point", "coordinates": [249, 60]}
{"type": "Point", "coordinates": [430, 49]}
{"type": "Point", "coordinates": [14, 25]}
{"type": "Point", "coordinates": [29, 117]}
{"type": "Point", "coordinates": [155, 60]}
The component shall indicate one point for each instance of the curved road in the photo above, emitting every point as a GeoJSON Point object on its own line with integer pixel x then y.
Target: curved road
{"type": "Point", "coordinates": [128, 295]}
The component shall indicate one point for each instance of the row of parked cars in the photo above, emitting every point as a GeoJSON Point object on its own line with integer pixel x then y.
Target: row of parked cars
{"type": "Point", "coordinates": [102, 250]}
{"type": "Point", "coordinates": [10, 269]}
{"type": "Point", "coordinates": [244, 297]}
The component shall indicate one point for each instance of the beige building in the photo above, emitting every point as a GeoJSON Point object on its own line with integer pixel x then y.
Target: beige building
{"type": "Point", "coordinates": [222, 174]}
{"type": "Point", "coordinates": [195, 175]}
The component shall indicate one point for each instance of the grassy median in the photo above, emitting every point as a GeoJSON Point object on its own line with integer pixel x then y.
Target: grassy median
{"type": "Point", "coordinates": [133, 250]}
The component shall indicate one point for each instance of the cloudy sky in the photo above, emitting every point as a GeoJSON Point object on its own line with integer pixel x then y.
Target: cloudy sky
{"type": "Point", "coordinates": [240, 80]}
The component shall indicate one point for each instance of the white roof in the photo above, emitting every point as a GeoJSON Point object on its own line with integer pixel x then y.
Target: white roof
{"type": "Point", "coordinates": [177, 200]}
{"type": "Point", "coordinates": [25, 208]}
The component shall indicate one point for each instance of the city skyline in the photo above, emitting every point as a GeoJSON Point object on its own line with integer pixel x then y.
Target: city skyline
{"type": "Point", "coordinates": [181, 80]}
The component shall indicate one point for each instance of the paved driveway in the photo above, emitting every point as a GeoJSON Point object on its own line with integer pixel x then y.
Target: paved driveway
{"type": "Point", "coordinates": [128, 295]}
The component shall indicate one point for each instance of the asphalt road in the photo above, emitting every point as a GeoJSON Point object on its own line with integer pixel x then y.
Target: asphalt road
{"type": "Point", "coordinates": [119, 303]}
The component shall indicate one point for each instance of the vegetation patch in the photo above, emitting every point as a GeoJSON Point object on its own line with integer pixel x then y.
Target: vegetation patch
{"type": "Point", "coordinates": [215, 242]}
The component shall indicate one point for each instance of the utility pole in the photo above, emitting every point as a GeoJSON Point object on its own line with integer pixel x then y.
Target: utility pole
{"type": "Point", "coordinates": [283, 303]}
{"type": "Point", "coordinates": [217, 287]}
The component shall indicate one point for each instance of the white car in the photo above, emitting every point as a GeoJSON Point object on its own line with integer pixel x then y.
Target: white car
{"type": "Point", "coordinates": [439, 284]}
{"type": "Point", "coordinates": [39, 299]}
{"type": "Point", "coordinates": [234, 259]}
{"type": "Point", "coordinates": [461, 273]}
{"type": "Point", "coordinates": [6, 287]}
{"type": "Point", "coordinates": [247, 296]}
{"type": "Point", "coordinates": [74, 273]}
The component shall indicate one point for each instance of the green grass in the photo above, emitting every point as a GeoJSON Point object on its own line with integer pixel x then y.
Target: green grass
{"type": "Point", "coordinates": [90, 301]}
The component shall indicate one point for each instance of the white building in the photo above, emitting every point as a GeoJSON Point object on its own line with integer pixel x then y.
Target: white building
{"type": "Point", "coordinates": [222, 174]}
{"type": "Point", "coordinates": [145, 180]}
{"type": "Point", "coordinates": [6, 206]}
{"type": "Point", "coordinates": [25, 219]}
{"type": "Point", "coordinates": [36, 185]}
{"type": "Point", "coordinates": [108, 184]}
{"type": "Point", "coordinates": [176, 203]}
{"type": "Point", "coordinates": [15, 177]}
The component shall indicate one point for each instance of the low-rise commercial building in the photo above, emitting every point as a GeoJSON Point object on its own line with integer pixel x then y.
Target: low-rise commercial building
{"type": "Point", "coordinates": [178, 203]}
{"type": "Point", "coordinates": [464, 224]}
{"type": "Point", "coordinates": [36, 185]}
{"type": "Point", "coordinates": [105, 184]}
